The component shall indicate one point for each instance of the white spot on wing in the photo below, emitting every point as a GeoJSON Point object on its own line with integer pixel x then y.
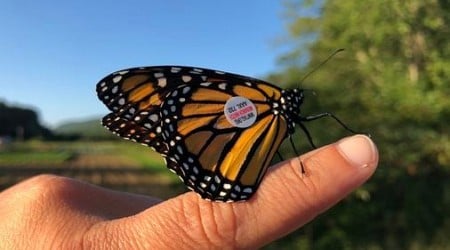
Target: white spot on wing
{"type": "Point", "coordinates": [223, 86]}
{"type": "Point", "coordinates": [153, 117]}
{"type": "Point", "coordinates": [186, 78]}
{"type": "Point", "coordinates": [180, 150]}
{"type": "Point", "coordinates": [117, 79]}
{"type": "Point", "coordinates": [162, 82]}
{"type": "Point", "coordinates": [186, 89]}
{"type": "Point", "coordinates": [175, 69]}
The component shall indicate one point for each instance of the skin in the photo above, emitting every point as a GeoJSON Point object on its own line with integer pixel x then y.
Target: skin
{"type": "Point", "coordinates": [52, 212]}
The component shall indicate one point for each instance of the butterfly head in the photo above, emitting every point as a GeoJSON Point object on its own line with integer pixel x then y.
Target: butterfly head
{"type": "Point", "coordinates": [290, 102]}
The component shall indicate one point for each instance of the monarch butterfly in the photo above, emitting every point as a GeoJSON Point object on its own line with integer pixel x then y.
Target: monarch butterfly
{"type": "Point", "coordinates": [217, 131]}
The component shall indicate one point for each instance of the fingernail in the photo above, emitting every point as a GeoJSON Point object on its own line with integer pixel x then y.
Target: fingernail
{"type": "Point", "coordinates": [358, 150]}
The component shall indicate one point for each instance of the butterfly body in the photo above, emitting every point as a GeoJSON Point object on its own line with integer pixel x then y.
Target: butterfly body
{"type": "Point", "coordinates": [217, 131]}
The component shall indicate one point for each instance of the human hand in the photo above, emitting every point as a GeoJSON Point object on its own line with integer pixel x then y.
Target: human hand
{"type": "Point", "coordinates": [55, 212]}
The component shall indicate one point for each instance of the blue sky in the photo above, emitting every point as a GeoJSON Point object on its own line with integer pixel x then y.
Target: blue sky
{"type": "Point", "coordinates": [52, 53]}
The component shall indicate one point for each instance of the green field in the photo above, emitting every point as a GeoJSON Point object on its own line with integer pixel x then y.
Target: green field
{"type": "Point", "coordinates": [117, 164]}
{"type": "Point", "coordinates": [33, 158]}
{"type": "Point", "coordinates": [100, 154]}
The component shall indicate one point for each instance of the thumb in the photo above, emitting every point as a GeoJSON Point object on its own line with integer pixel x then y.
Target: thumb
{"type": "Point", "coordinates": [285, 200]}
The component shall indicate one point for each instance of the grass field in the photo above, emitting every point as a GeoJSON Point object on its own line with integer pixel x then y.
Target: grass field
{"type": "Point", "coordinates": [34, 158]}
{"type": "Point", "coordinates": [101, 154]}
{"type": "Point", "coordinates": [116, 164]}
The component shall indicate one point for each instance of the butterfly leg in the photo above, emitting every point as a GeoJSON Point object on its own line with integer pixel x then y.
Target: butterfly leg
{"type": "Point", "coordinates": [318, 116]}
{"type": "Point", "coordinates": [280, 156]}
{"type": "Point", "coordinates": [302, 167]}
{"type": "Point", "coordinates": [296, 153]}
{"type": "Point", "coordinates": [308, 135]}
{"type": "Point", "coordinates": [293, 145]}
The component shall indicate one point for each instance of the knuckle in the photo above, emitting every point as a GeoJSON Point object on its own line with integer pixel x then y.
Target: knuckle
{"type": "Point", "coordinates": [27, 205]}
{"type": "Point", "coordinates": [40, 193]}
{"type": "Point", "coordinates": [38, 188]}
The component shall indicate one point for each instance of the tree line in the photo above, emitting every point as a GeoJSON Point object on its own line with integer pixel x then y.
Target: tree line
{"type": "Point", "coordinates": [21, 123]}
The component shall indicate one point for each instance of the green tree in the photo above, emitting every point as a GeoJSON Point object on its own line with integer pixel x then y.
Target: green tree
{"type": "Point", "coordinates": [20, 123]}
{"type": "Point", "coordinates": [393, 81]}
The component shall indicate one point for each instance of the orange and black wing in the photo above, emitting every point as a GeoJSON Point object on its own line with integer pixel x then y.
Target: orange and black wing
{"type": "Point", "coordinates": [213, 157]}
{"type": "Point", "coordinates": [179, 111]}
{"type": "Point", "coordinates": [135, 96]}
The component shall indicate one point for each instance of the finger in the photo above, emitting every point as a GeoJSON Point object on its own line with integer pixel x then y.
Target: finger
{"type": "Point", "coordinates": [285, 201]}
{"type": "Point", "coordinates": [78, 196]}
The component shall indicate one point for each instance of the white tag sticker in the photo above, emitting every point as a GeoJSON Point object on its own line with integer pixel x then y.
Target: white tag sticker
{"type": "Point", "coordinates": [240, 112]}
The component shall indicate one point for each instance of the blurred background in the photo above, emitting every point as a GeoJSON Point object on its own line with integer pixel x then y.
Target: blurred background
{"type": "Point", "coordinates": [392, 81]}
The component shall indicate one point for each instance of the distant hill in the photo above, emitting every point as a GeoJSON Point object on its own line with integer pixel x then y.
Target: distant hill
{"type": "Point", "coordinates": [91, 129]}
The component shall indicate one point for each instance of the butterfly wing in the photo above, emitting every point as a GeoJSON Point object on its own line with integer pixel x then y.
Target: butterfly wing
{"type": "Point", "coordinates": [179, 111]}
{"type": "Point", "coordinates": [212, 156]}
{"type": "Point", "coordinates": [134, 96]}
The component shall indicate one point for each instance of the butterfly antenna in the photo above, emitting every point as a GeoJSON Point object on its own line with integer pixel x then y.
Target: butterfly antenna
{"type": "Point", "coordinates": [321, 64]}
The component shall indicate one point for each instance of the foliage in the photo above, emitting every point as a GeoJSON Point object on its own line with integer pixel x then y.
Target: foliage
{"type": "Point", "coordinates": [393, 81]}
{"type": "Point", "coordinates": [20, 123]}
